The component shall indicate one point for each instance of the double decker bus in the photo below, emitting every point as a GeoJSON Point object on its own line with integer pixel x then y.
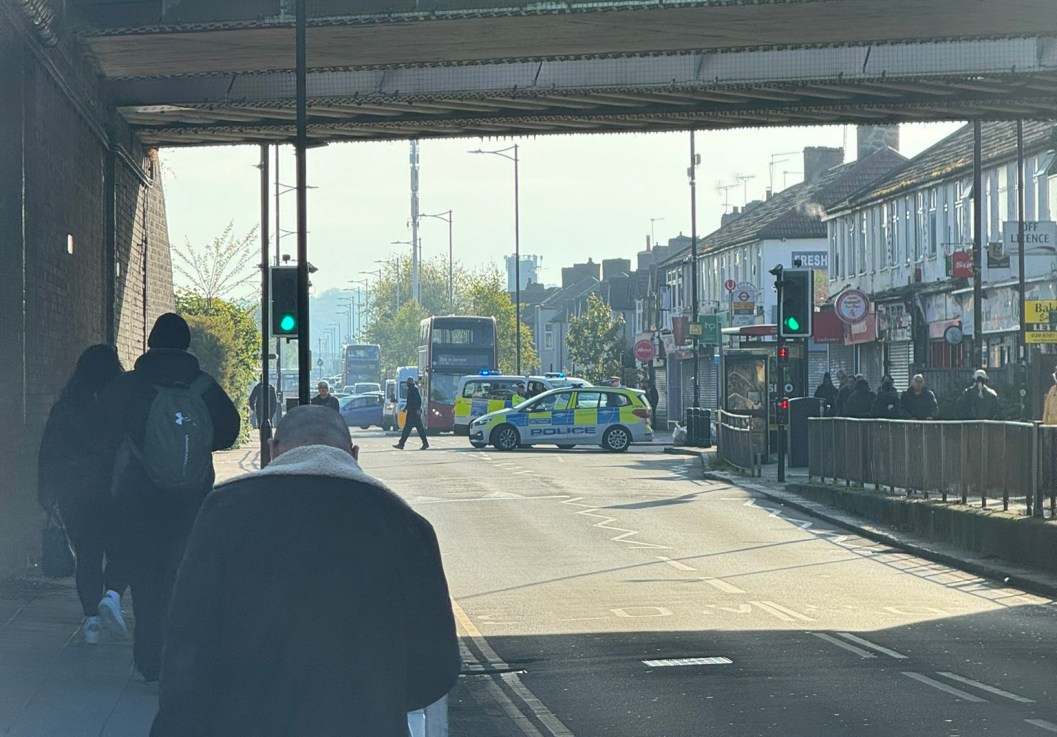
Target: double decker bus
{"type": "Point", "coordinates": [450, 348]}
{"type": "Point", "coordinates": [361, 362]}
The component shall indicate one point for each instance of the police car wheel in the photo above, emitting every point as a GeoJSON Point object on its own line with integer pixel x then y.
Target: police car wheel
{"type": "Point", "coordinates": [505, 437]}
{"type": "Point", "coordinates": [365, 427]}
{"type": "Point", "coordinates": [616, 439]}
{"type": "Point", "coordinates": [475, 444]}
{"type": "Point", "coordinates": [566, 446]}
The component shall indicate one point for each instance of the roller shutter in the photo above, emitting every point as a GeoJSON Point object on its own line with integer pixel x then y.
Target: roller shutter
{"type": "Point", "coordinates": [900, 357]}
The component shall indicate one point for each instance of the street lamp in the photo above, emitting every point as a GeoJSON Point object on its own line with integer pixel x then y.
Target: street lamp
{"type": "Point", "coordinates": [447, 217]}
{"type": "Point", "coordinates": [517, 246]}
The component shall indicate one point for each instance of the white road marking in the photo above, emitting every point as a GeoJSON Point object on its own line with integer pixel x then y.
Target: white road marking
{"type": "Point", "coordinates": [783, 613]}
{"type": "Point", "coordinates": [726, 588]}
{"type": "Point", "coordinates": [676, 564]}
{"type": "Point", "coordinates": [985, 687]}
{"type": "Point", "coordinates": [687, 661]}
{"type": "Point", "coordinates": [872, 646]}
{"type": "Point", "coordinates": [750, 503]}
{"type": "Point", "coordinates": [1042, 724]}
{"type": "Point", "coordinates": [840, 643]}
{"type": "Point", "coordinates": [626, 533]}
{"type": "Point", "coordinates": [803, 525]}
{"type": "Point", "coordinates": [957, 693]}
{"type": "Point", "coordinates": [649, 612]}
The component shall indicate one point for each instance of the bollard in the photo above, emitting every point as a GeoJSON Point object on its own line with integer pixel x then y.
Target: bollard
{"type": "Point", "coordinates": [691, 439]}
{"type": "Point", "coordinates": [706, 428]}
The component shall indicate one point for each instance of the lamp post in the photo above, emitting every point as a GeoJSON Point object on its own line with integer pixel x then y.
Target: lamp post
{"type": "Point", "coordinates": [517, 247]}
{"type": "Point", "coordinates": [364, 303]}
{"type": "Point", "coordinates": [692, 173]}
{"type": "Point", "coordinates": [447, 217]}
{"type": "Point", "coordinates": [400, 243]}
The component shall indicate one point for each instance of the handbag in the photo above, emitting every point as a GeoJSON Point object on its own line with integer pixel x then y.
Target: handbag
{"type": "Point", "coordinates": [57, 558]}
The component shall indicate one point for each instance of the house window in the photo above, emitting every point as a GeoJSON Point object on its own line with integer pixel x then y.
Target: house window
{"type": "Point", "coordinates": [932, 234]}
{"type": "Point", "coordinates": [834, 252]}
{"type": "Point", "coordinates": [887, 237]}
{"type": "Point", "coordinates": [548, 338]}
{"type": "Point", "coordinates": [959, 214]}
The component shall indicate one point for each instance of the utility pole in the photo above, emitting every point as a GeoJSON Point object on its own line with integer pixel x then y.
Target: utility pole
{"type": "Point", "coordinates": [692, 172]}
{"type": "Point", "coordinates": [780, 364]}
{"type": "Point", "coordinates": [304, 365]}
{"type": "Point", "coordinates": [265, 422]}
{"type": "Point", "coordinates": [978, 245]}
{"type": "Point", "coordinates": [414, 222]}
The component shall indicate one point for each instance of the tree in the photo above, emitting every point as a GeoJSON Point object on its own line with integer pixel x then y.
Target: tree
{"type": "Point", "coordinates": [484, 295]}
{"type": "Point", "coordinates": [226, 339]}
{"type": "Point", "coordinates": [224, 268]}
{"type": "Point", "coordinates": [595, 340]}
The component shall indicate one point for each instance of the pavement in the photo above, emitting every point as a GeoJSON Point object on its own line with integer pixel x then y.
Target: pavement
{"type": "Point", "coordinates": [783, 492]}
{"type": "Point", "coordinates": [52, 684]}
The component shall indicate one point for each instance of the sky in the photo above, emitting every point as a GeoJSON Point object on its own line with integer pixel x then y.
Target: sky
{"type": "Point", "coordinates": [584, 196]}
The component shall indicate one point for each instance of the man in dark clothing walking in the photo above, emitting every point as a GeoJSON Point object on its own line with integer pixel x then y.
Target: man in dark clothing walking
{"type": "Point", "coordinates": [653, 398]}
{"type": "Point", "coordinates": [847, 386]}
{"type": "Point", "coordinates": [414, 416]}
{"type": "Point", "coordinates": [827, 392]}
{"type": "Point", "coordinates": [860, 401]}
{"type": "Point", "coordinates": [256, 403]}
{"type": "Point", "coordinates": [917, 402]}
{"type": "Point", "coordinates": [312, 601]}
{"type": "Point", "coordinates": [154, 516]}
{"type": "Point", "coordinates": [886, 403]}
{"type": "Point", "coordinates": [324, 398]}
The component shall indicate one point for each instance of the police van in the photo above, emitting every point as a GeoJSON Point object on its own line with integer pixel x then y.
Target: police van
{"type": "Point", "coordinates": [490, 391]}
{"type": "Point", "coordinates": [611, 417]}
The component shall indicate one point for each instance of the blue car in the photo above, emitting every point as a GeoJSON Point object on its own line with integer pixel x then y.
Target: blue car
{"type": "Point", "coordinates": [363, 410]}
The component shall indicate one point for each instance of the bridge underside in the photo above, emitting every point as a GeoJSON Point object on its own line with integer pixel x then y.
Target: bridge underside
{"type": "Point", "coordinates": [183, 76]}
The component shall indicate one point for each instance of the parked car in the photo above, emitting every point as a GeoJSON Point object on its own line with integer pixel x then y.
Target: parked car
{"type": "Point", "coordinates": [363, 410]}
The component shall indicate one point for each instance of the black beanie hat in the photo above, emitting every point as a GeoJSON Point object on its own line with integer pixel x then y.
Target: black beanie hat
{"type": "Point", "coordinates": [170, 331]}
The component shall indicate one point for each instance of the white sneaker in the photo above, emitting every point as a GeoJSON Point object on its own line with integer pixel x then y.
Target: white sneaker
{"type": "Point", "coordinates": [110, 614]}
{"type": "Point", "coordinates": [90, 630]}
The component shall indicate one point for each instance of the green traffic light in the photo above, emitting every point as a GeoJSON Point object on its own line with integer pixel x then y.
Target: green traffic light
{"type": "Point", "coordinates": [792, 323]}
{"type": "Point", "coordinates": [288, 323]}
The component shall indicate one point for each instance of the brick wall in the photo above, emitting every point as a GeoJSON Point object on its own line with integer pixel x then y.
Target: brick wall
{"type": "Point", "coordinates": [53, 194]}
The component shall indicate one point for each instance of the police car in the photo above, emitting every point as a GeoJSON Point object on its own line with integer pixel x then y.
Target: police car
{"type": "Point", "coordinates": [613, 418]}
{"type": "Point", "coordinates": [491, 391]}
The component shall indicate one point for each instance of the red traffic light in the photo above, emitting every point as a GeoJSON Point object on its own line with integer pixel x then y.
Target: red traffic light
{"type": "Point", "coordinates": [783, 404]}
{"type": "Point", "coordinates": [783, 354]}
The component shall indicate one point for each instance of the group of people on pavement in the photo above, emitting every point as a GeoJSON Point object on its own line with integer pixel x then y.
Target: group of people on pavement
{"type": "Point", "coordinates": [856, 399]}
{"type": "Point", "coordinates": [304, 598]}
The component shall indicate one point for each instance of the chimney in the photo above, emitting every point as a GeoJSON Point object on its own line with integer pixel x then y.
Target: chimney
{"type": "Point", "coordinates": [874, 138]}
{"type": "Point", "coordinates": [820, 159]}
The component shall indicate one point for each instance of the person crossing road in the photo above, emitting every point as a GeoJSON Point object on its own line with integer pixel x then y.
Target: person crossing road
{"type": "Point", "coordinates": [414, 416]}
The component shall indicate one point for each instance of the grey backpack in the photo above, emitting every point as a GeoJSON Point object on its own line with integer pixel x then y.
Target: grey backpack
{"type": "Point", "coordinates": [178, 438]}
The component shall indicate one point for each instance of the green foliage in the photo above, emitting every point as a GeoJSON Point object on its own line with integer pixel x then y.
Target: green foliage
{"type": "Point", "coordinates": [226, 339]}
{"type": "Point", "coordinates": [394, 318]}
{"type": "Point", "coordinates": [596, 341]}
{"type": "Point", "coordinates": [223, 268]}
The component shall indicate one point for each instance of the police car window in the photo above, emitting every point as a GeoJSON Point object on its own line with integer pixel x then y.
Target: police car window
{"type": "Point", "coordinates": [612, 399]}
{"type": "Point", "coordinates": [471, 388]}
{"type": "Point", "coordinates": [587, 400]}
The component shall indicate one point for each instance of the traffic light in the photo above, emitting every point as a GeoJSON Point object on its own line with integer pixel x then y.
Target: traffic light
{"type": "Point", "coordinates": [285, 316]}
{"type": "Point", "coordinates": [797, 304]}
{"type": "Point", "coordinates": [783, 355]}
{"type": "Point", "coordinates": [783, 411]}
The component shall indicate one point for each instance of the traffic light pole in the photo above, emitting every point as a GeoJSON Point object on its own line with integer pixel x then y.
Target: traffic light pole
{"type": "Point", "coordinates": [781, 369]}
{"type": "Point", "coordinates": [266, 408]}
{"type": "Point", "coordinates": [304, 360]}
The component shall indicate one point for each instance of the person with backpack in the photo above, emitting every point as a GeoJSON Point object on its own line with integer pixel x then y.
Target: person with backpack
{"type": "Point", "coordinates": [64, 482]}
{"type": "Point", "coordinates": [158, 427]}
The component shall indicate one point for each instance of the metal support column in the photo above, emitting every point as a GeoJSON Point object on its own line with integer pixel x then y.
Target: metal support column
{"type": "Point", "coordinates": [265, 418]}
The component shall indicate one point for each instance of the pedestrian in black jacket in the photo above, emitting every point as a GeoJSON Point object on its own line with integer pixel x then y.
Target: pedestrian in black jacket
{"type": "Point", "coordinates": [65, 480]}
{"type": "Point", "coordinates": [979, 401]}
{"type": "Point", "coordinates": [886, 404]}
{"type": "Point", "coordinates": [414, 416]}
{"type": "Point", "coordinates": [155, 520]}
{"type": "Point", "coordinates": [917, 402]}
{"type": "Point", "coordinates": [827, 392]}
{"type": "Point", "coordinates": [847, 386]}
{"type": "Point", "coordinates": [312, 602]}
{"type": "Point", "coordinates": [860, 401]}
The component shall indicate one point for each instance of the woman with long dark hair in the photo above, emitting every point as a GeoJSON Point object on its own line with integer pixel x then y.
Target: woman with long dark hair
{"type": "Point", "coordinates": [68, 480]}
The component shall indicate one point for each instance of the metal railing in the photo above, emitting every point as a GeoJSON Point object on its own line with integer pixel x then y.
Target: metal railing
{"type": "Point", "coordinates": [977, 461]}
{"type": "Point", "coordinates": [737, 444]}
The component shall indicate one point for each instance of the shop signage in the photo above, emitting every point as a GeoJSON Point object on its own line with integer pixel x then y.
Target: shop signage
{"type": "Point", "coordinates": [712, 329]}
{"type": "Point", "coordinates": [852, 306]}
{"type": "Point", "coordinates": [997, 255]}
{"type": "Point", "coordinates": [953, 334]}
{"type": "Point", "coordinates": [1040, 316]}
{"type": "Point", "coordinates": [962, 265]}
{"type": "Point", "coordinates": [1040, 237]}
